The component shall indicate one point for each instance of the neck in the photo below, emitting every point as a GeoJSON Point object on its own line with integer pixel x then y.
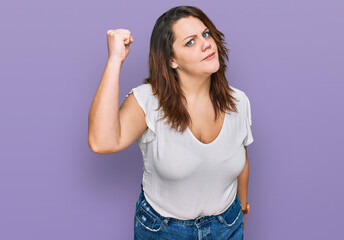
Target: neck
{"type": "Point", "coordinates": [195, 87]}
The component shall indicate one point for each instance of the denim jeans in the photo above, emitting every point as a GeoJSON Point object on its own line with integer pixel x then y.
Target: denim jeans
{"type": "Point", "coordinates": [149, 225]}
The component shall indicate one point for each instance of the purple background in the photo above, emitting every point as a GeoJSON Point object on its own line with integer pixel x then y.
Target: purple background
{"type": "Point", "coordinates": [286, 55]}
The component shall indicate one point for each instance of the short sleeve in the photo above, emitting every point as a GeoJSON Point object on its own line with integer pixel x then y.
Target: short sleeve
{"type": "Point", "coordinates": [248, 122]}
{"type": "Point", "coordinates": [144, 97]}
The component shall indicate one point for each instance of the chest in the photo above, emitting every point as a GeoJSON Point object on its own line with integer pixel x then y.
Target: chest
{"type": "Point", "coordinates": [204, 127]}
{"type": "Point", "coordinates": [206, 146]}
{"type": "Point", "coordinates": [182, 155]}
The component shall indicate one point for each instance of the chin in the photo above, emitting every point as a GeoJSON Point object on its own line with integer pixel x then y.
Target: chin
{"type": "Point", "coordinates": [215, 68]}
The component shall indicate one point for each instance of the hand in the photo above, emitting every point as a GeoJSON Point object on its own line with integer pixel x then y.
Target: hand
{"type": "Point", "coordinates": [118, 42]}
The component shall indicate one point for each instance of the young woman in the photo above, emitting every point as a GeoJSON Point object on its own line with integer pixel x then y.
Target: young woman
{"type": "Point", "coordinates": [191, 126]}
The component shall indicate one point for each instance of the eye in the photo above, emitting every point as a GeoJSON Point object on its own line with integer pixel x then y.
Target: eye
{"type": "Point", "coordinates": [187, 44]}
{"type": "Point", "coordinates": [207, 33]}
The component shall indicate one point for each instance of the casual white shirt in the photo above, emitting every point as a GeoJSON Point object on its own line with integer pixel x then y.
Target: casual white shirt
{"type": "Point", "coordinates": [183, 177]}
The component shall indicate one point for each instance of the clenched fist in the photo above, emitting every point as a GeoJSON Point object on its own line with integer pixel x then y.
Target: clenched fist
{"type": "Point", "coordinates": [118, 42]}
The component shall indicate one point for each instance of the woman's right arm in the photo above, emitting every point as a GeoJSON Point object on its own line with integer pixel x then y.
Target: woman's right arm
{"type": "Point", "coordinates": [110, 128]}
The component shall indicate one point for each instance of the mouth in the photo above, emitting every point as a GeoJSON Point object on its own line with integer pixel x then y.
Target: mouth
{"type": "Point", "coordinates": [209, 56]}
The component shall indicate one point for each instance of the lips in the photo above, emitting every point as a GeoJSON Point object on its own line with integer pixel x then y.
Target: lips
{"type": "Point", "coordinates": [211, 54]}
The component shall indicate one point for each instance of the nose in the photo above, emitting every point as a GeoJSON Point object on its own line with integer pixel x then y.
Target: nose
{"type": "Point", "coordinates": [205, 44]}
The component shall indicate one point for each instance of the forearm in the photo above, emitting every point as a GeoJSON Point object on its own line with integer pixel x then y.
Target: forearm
{"type": "Point", "coordinates": [243, 184]}
{"type": "Point", "coordinates": [104, 126]}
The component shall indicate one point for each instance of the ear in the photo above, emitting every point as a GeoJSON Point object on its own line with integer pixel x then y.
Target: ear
{"type": "Point", "coordinates": [173, 64]}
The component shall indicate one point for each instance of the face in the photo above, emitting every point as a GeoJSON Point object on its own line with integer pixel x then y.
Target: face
{"type": "Point", "coordinates": [193, 43]}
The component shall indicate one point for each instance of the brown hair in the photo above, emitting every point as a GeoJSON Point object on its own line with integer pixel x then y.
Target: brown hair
{"type": "Point", "coordinates": [164, 79]}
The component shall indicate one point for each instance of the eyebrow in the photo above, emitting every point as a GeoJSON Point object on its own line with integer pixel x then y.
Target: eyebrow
{"type": "Point", "coordinates": [195, 35]}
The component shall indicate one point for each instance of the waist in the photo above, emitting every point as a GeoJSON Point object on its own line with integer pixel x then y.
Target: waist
{"type": "Point", "coordinates": [189, 203]}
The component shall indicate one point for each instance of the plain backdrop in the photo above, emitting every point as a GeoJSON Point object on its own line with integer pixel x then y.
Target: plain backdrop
{"type": "Point", "coordinates": [287, 56]}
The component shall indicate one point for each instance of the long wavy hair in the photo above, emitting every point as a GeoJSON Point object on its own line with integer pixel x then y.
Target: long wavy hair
{"type": "Point", "coordinates": [164, 79]}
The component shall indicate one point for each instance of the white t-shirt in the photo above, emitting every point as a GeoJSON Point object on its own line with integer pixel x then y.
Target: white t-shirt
{"type": "Point", "coordinates": [183, 177]}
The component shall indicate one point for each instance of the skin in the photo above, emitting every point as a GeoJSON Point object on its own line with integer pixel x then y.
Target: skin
{"type": "Point", "coordinates": [243, 184]}
{"type": "Point", "coordinates": [194, 73]}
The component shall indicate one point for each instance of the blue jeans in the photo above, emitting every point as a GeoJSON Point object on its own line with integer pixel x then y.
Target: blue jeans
{"type": "Point", "coordinates": [149, 225]}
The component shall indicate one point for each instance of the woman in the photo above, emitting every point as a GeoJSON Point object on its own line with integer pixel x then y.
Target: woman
{"type": "Point", "coordinates": [191, 126]}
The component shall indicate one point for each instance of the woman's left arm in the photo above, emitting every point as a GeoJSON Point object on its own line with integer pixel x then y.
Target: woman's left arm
{"type": "Point", "coordinates": [243, 183]}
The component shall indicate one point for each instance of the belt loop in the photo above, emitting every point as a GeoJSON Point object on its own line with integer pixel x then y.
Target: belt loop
{"type": "Point", "coordinates": [220, 218]}
{"type": "Point", "coordinates": [166, 221]}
